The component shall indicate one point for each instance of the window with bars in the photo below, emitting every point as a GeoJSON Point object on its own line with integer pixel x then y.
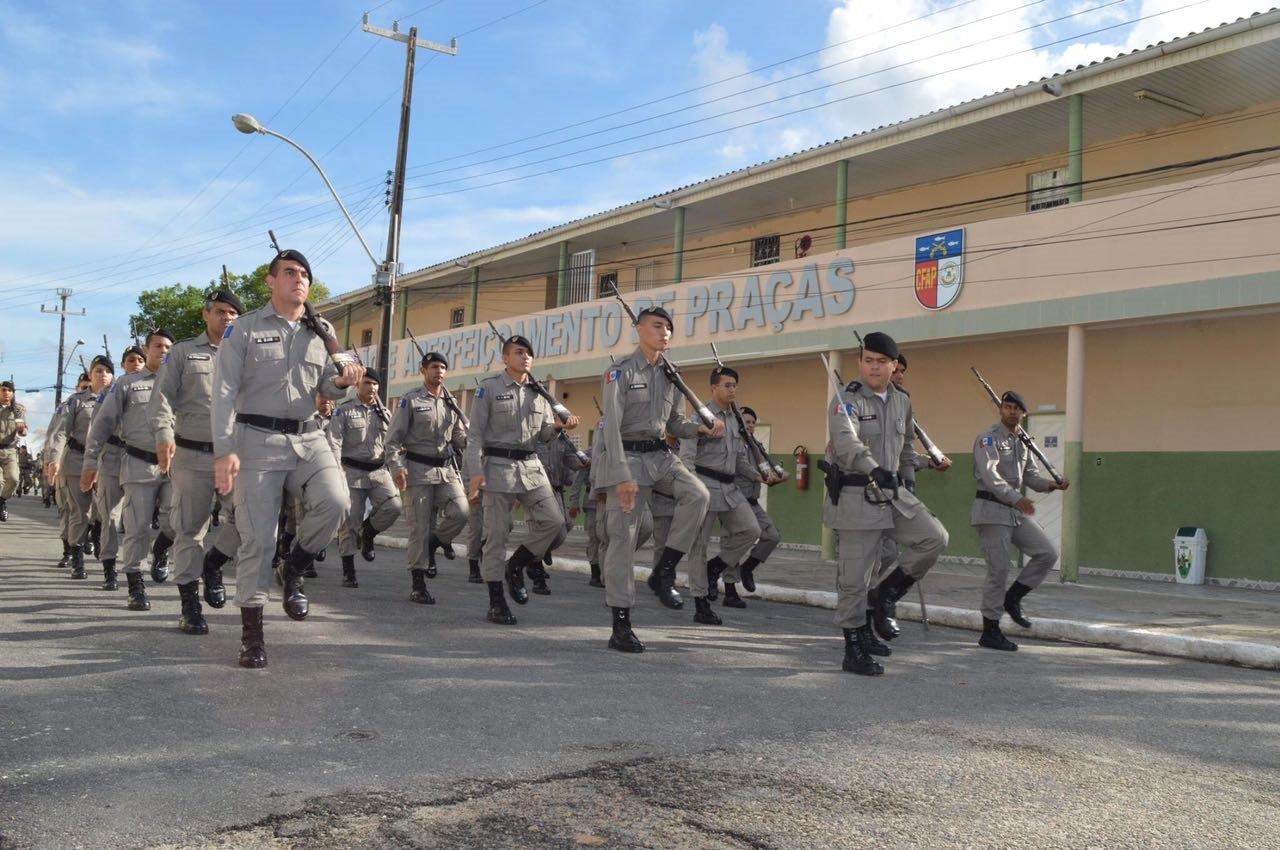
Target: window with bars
{"type": "Point", "coordinates": [765, 250]}
{"type": "Point", "coordinates": [647, 276]}
{"type": "Point", "coordinates": [608, 285]}
{"type": "Point", "coordinates": [366, 337]}
{"type": "Point", "coordinates": [580, 284]}
{"type": "Point", "coordinates": [1047, 189]}
{"type": "Point", "coordinates": [458, 317]}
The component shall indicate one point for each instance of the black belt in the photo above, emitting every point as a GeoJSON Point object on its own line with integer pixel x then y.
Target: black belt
{"type": "Point", "coordinates": [283, 426]}
{"type": "Point", "coordinates": [714, 474]}
{"type": "Point", "coordinates": [194, 445]}
{"type": "Point", "coordinates": [755, 503]}
{"type": "Point", "coordinates": [429, 460]}
{"type": "Point", "coordinates": [142, 454]}
{"type": "Point", "coordinates": [988, 497]}
{"type": "Point", "coordinates": [115, 441]}
{"type": "Point", "coordinates": [646, 446]}
{"type": "Point", "coordinates": [857, 479]}
{"type": "Point", "coordinates": [510, 454]}
{"type": "Point", "coordinates": [365, 465]}
{"type": "Point", "coordinates": [75, 445]}
{"type": "Point", "coordinates": [555, 489]}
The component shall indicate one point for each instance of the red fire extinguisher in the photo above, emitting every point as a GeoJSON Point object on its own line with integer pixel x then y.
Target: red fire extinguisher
{"type": "Point", "coordinates": [801, 455]}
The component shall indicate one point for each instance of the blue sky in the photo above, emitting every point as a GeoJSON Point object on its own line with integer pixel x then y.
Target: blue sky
{"type": "Point", "coordinates": [120, 171]}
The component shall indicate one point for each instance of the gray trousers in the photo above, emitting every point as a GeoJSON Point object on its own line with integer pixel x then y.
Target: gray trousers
{"type": "Point", "coordinates": [424, 500]}
{"type": "Point", "coordinates": [542, 515]}
{"type": "Point", "coordinates": [859, 554]}
{"type": "Point", "coordinates": [64, 513]}
{"type": "Point", "coordinates": [385, 507]}
{"type": "Point", "coordinates": [10, 475]}
{"type": "Point", "coordinates": [888, 559]}
{"type": "Point", "coordinates": [998, 542]}
{"type": "Point", "coordinates": [691, 499]}
{"type": "Point", "coordinates": [108, 495]}
{"type": "Point", "coordinates": [77, 504]}
{"type": "Point", "coordinates": [140, 501]}
{"type": "Point", "coordinates": [738, 533]}
{"type": "Point", "coordinates": [589, 521]}
{"type": "Point", "coordinates": [769, 536]}
{"type": "Point", "coordinates": [475, 530]}
{"type": "Point", "coordinates": [190, 512]}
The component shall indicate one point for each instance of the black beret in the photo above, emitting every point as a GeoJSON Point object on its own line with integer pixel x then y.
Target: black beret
{"type": "Point", "coordinates": [746, 410]}
{"type": "Point", "coordinates": [371, 374]}
{"type": "Point", "coordinates": [133, 349]}
{"type": "Point", "coordinates": [296, 256]}
{"type": "Point", "coordinates": [717, 372]}
{"type": "Point", "coordinates": [902, 360]}
{"type": "Point", "coordinates": [518, 340]}
{"type": "Point", "coordinates": [103, 360]}
{"type": "Point", "coordinates": [434, 357]}
{"type": "Point", "coordinates": [1013, 398]}
{"type": "Point", "coordinates": [880, 343]}
{"type": "Point", "coordinates": [159, 332]}
{"type": "Point", "coordinates": [222, 296]}
{"type": "Point", "coordinates": [8, 385]}
{"type": "Point", "coordinates": [655, 310]}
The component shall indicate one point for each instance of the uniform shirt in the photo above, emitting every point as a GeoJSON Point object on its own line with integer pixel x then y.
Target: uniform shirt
{"type": "Point", "coordinates": [76, 414]}
{"type": "Point", "coordinates": [874, 433]}
{"type": "Point", "coordinates": [11, 416]}
{"type": "Point", "coordinates": [268, 366]}
{"type": "Point", "coordinates": [110, 455]}
{"type": "Point", "coordinates": [722, 454]}
{"type": "Point", "coordinates": [425, 424]}
{"type": "Point", "coordinates": [508, 415]}
{"type": "Point", "coordinates": [639, 404]}
{"type": "Point", "coordinates": [1002, 465]}
{"type": "Point", "coordinates": [124, 412]}
{"type": "Point", "coordinates": [357, 431]}
{"type": "Point", "coordinates": [183, 391]}
{"type": "Point", "coordinates": [54, 438]}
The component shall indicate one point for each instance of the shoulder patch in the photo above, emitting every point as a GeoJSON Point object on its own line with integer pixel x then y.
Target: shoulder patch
{"type": "Point", "coordinates": [841, 407]}
{"type": "Point", "coordinates": [166, 358]}
{"type": "Point", "coordinates": [227, 333]}
{"type": "Point", "coordinates": [404, 402]}
{"type": "Point", "coordinates": [988, 440]}
{"type": "Point", "coordinates": [853, 386]}
{"type": "Point", "coordinates": [479, 392]}
{"type": "Point", "coordinates": [613, 375]}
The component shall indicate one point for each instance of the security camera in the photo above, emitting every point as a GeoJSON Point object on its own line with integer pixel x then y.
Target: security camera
{"type": "Point", "coordinates": [1054, 89]}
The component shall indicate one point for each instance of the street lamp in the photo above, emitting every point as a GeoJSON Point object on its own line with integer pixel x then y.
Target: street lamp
{"type": "Point", "coordinates": [79, 343]}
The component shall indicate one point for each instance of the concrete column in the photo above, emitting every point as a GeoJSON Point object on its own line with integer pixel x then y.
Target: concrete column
{"type": "Point", "coordinates": [828, 536]}
{"type": "Point", "coordinates": [475, 295]}
{"type": "Point", "coordinates": [677, 271]}
{"type": "Point", "coordinates": [346, 329]}
{"type": "Point", "coordinates": [1075, 146]}
{"type": "Point", "coordinates": [842, 202]}
{"type": "Point", "coordinates": [404, 314]}
{"type": "Point", "coordinates": [1071, 503]}
{"type": "Point", "coordinates": [562, 285]}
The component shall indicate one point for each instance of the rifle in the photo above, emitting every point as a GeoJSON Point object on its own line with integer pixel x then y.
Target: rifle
{"type": "Point", "coordinates": [1027, 440]}
{"type": "Point", "coordinates": [931, 449]}
{"type": "Point", "coordinates": [764, 464]}
{"type": "Point", "coordinates": [831, 470]}
{"type": "Point", "coordinates": [673, 374]}
{"type": "Point", "coordinates": [340, 358]}
{"type": "Point", "coordinates": [596, 402]}
{"type": "Point", "coordinates": [274, 244]}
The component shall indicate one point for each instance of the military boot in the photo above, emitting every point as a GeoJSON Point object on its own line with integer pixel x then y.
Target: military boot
{"type": "Point", "coordinates": [77, 562]}
{"type": "Point", "coordinates": [473, 572]}
{"type": "Point", "coordinates": [109, 575]}
{"type": "Point", "coordinates": [623, 639]}
{"type": "Point", "coordinates": [595, 577]}
{"type": "Point", "coordinates": [747, 574]}
{"type": "Point", "coordinates": [66, 556]}
{"type": "Point", "coordinates": [993, 638]}
{"type": "Point", "coordinates": [160, 559]}
{"type": "Point", "coordinates": [215, 593]}
{"type": "Point", "coordinates": [215, 516]}
{"type": "Point", "coordinates": [538, 576]}
{"type": "Point", "coordinates": [4, 511]}
{"type": "Point", "coordinates": [295, 602]}
{"type": "Point", "coordinates": [420, 594]}
{"type": "Point", "coordinates": [731, 597]}
{"type": "Point", "coordinates": [138, 600]}
{"type": "Point", "coordinates": [715, 567]}
{"type": "Point", "coordinates": [93, 546]}
{"type": "Point", "coordinates": [155, 518]}
{"type": "Point", "coordinates": [498, 611]}
{"type": "Point", "coordinates": [367, 549]}
{"type": "Point", "coordinates": [663, 579]}
{"type": "Point", "coordinates": [856, 658]}
{"type": "Point", "coordinates": [884, 602]}
{"type": "Point", "coordinates": [1013, 603]}
{"type": "Point", "coordinates": [253, 647]}
{"type": "Point", "coordinates": [702, 612]}
{"type": "Point", "coordinates": [874, 645]}
{"type": "Point", "coordinates": [192, 621]}
{"type": "Point", "coordinates": [519, 559]}
{"type": "Point", "coordinates": [349, 571]}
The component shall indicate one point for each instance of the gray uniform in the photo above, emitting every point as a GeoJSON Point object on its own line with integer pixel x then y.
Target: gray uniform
{"type": "Point", "coordinates": [268, 366]}
{"type": "Point", "coordinates": [430, 435]}
{"type": "Point", "coordinates": [179, 414]}
{"type": "Point", "coordinates": [640, 407]}
{"type": "Point", "coordinates": [54, 441]}
{"type": "Point", "coordinates": [510, 417]}
{"type": "Point", "coordinates": [876, 436]}
{"type": "Point", "coordinates": [108, 495]}
{"type": "Point", "coordinates": [769, 536]}
{"type": "Point", "coordinates": [11, 416]}
{"type": "Point", "coordinates": [475, 522]}
{"type": "Point", "coordinates": [717, 463]}
{"type": "Point", "coordinates": [124, 411]}
{"type": "Point", "coordinates": [561, 462]}
{"type": "Point", "coordinates": [76, 416]}
{"type": "Point", "coordinates": [358, 433]}
{"type": "Point", "coordinates": [1002, 466]}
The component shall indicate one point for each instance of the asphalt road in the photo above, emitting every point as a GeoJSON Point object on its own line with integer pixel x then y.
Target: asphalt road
{"type": "Point", "coordinates": [387, 724]}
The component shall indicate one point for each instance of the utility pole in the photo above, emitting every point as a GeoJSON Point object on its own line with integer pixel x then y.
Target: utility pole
{"type": "Point", "coordinates": [61, 312]}
{"type": "Point", "coordinates": [106, 347]}
{"type": "Point", "coordinates": [386, 276]}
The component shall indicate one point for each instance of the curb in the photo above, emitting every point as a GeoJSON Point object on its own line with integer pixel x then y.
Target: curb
{"type": "Point", "coordinates": [1241, 653]}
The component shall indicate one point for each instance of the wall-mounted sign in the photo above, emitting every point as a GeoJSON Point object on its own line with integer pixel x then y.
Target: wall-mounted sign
{"type": "Point", "coordinates": [939, 268]}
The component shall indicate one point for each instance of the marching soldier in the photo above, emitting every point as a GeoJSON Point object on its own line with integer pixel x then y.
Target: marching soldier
{"type": "Point", "coordinates": [507, 420]}
{"type": "Point", "coordinates": [145, 485]}
{"type": "Point", "coordinates": [1004, 519]}
{"type": "Point", "coordinates": [54, 441]}
{"type": "Point", "coordinates": [769, 536]}
{"type": "Point", "coordinates": [267, 440]}
{"type": "Point", "coordinates": [583, 500]}
{"type": "Point", "coordinates": [475, 526]}
{"type": "Point", "coordinates": [869, 424]}
{"type": "Point", "coordinates": [639, 411]}
{"type": "Point", "coordinates": [13, 424]}
{"type": "Point", "coordinates": [358, 431]}
{"type": "Point", "coordinates": [718, 462]}
{"type": "Point", "coordinates": [76, 418]}
{"type": "Point", "coordinates": [179, 415]}
{"type": "Point", "coordinates": [108, 495]}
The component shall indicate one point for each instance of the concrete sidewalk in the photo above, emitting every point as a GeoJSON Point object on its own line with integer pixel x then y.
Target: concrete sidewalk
{"type": "Point", "coordinates": [1207, 623]}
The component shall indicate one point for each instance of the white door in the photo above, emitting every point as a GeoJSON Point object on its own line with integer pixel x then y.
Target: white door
{"type": "Point", "coordinates": [1050, 431]}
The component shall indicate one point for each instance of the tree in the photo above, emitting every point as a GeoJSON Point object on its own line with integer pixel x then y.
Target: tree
{"type": "Point", "coordinates": [177, 307]}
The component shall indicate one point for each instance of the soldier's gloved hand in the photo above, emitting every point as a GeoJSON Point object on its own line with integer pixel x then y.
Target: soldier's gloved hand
{"type": "Point", "coordinates": [883, 477]}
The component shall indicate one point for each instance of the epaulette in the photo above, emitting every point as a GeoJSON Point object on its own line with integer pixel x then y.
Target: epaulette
{"type": "Point", "coordinates": [853, 386]}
